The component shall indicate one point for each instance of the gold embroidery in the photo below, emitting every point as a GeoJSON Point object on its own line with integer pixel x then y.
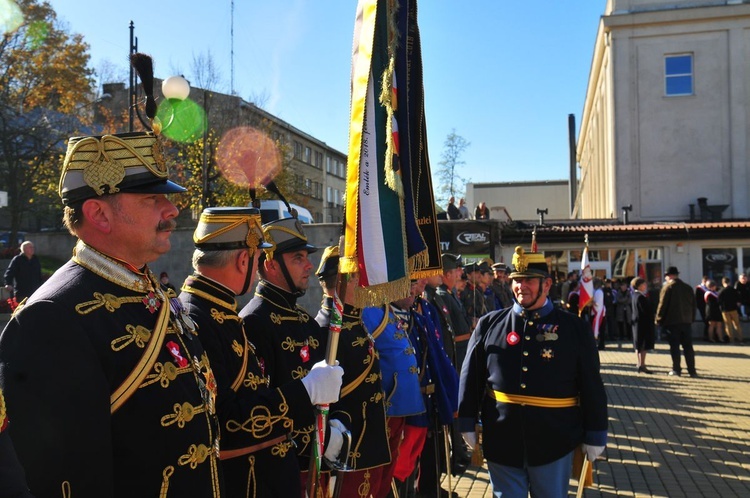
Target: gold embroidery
{"type": "Point", "coordinates": [282, 449]}
{"type": "Point", "coordinates": [260, 423]}
{"type": "Point", "coordinates": [299, 373]}
{"type": "Point", "coordinates": [66, 492]}
{"type": "Point", "coordinates": [165, 373]}
{"type": "Point", "coordinates": [197, 454]}
{"type": "Point", "coordinates": [299, 317]}
{"type": "Point", "coordinates": [138, 334]}
{"type": "Point", "coordinates": [253, 381]}
{"type": "Point", "coordinates": [182, 413]}
{"type": "Point", "coordinates": [110, 302]}
{"type": "Point", "coordinates": [237, 348]}
{"type": "Point", "coordinates": [220, 316]}
{"type": "Point", "coordinates": [166, 474]}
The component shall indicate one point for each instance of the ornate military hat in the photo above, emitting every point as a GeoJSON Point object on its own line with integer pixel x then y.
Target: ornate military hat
{"type": "Point", "coordinates": [109, 164]}
{"type": "Point", "coordinates": [285, 235]}
{"type": "Point", "coordinates": [128, 162]}
{"type": "Point", "coordinates": [483, 267]}
{"type": "Point", "coordinates": [329, 262]}
{"type": "Point", "coordinates": [227, 228]}
{"type": "Point", "coordinates": [451, 261]}
{"type": "Point", "coordinates": [528, 264]}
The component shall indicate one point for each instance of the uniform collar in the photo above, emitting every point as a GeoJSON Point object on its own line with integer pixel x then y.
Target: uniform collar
{"type": "Point", "coordinates": [115, 270]}
{"type": "Point", "coordinates": [536, 314]}
{"type": "Point", "coordinates": [211, 290]}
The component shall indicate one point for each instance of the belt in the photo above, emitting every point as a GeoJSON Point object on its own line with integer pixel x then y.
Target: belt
{"type": "Point", "coordinates": [462, 338]}
{"type": "Point", "coordinates": [227, 454]}
{"type": "Point", "coordinates": [428, 389]}
{"type": "Point", "coordinates": [520, 399]}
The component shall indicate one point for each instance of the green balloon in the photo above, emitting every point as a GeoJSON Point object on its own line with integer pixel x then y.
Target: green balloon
{"type": "Point", "coordinates": [181, 120]}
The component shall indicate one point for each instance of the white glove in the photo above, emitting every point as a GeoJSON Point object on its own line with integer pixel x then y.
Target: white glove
{"type": "Point", "coordinates": [592, 452]}
{"type": "Point", "coordinates": [323, 383]}
{"type": "Point", "coordinates": [336, 441]}
{"type": "Point", "coordinates": [471, 439]}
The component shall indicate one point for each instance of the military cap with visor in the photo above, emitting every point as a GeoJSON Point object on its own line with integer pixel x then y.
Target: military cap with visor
{"type": "Point", "coordinates": [528, 265]}
{"type": "Point", "coordinates": [451, 261]}
{"type": "Point", "coordinates": [228, 228]}
{"type": "Point", "coordinates": [285, 235]}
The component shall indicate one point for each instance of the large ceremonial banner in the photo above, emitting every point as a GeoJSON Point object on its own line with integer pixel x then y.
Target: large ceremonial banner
{"type": "Point", "coordinates": [391, 232]}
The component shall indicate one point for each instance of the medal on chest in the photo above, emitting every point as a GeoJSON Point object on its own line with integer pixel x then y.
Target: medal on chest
{"type": "Point", "coordinates": [513, 338]}
{"type": "Point", "coordinates": [304, 353]}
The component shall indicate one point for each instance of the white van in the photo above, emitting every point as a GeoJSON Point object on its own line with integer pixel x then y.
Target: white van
{"type": "Point", "coordinates": [271, 210]}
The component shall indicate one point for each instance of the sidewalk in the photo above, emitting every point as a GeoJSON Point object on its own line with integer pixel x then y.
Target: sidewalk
{"type": "Point", "coordinates": [668, 436]}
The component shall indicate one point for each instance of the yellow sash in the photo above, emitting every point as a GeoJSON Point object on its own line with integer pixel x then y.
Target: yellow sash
{"type": "Point", "coordinates": [520, 399]}
{"type": "Point", "coordinates": [134, 379]}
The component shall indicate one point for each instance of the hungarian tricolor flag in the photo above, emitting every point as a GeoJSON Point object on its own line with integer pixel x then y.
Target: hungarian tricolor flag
{"type": "Point", "coordinates": [391, 233]}
{"type": "Point", "coordinates": [586, 293]}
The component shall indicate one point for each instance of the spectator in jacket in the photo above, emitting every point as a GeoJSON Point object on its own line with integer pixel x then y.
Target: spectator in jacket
{"type": "Point", "coordinates": [675, 313]}
{"type": "Point", "coordinates": [729, 300]}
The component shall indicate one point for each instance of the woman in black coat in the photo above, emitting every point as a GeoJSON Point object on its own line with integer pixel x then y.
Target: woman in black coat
{"type": "Point", "coordinates": [644, 332]}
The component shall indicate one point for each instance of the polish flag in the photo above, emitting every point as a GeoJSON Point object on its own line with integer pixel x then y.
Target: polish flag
{"type": "Point", "coordinates": [587, 281]}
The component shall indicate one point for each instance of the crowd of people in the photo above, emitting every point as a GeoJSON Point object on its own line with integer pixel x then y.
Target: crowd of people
{"type": "Point", "coordinates": [115, 383]}
{"type": "Point", "coordinates": [461, 212]}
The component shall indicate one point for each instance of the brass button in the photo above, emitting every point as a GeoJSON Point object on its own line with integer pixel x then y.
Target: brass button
{"type": "Point", "coordinates": [528, 337]}
{"type": "Point", "coordinates": [526, 353]}
{"type": "Point", "coordinates": [523, 386]}
{"type": "Point", "coordinates": [525, 369]}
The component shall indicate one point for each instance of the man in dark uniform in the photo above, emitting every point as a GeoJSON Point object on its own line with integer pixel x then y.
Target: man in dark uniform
{"type": "Point", "coordinates": [456, 332]}
{"type": "Point", "coordinates": [532, 375]}
{"type": "Point", "coordinates": [256, 421]}
{"type": "Point", "coordinates": [503, 294]}
{"type": "Point", "coordinates": [286, 336]}
{"type": "Point", "coordinates": [110, 390]}
{"type": "Point", "coordinates": [361, 408]}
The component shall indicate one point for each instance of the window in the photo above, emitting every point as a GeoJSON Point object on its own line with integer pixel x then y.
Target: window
{"type": "Point", "coordinates": [678, 75]}
{"type": "Point", "coordinates": [308, 155]}
{"type": "Point", "coordinates": [328, 164]}
{"type": "Point", "coordinates": [329, 194]}
{"type": "Point", "coordinates": [297, 150]}
{"type": "Point", "coordinates": [337, 197]}
{"type": "Point", "coordinates": [319, 160]}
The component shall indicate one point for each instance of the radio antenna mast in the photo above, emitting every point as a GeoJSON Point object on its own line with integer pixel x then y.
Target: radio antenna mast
{"type": "Point", "coordinates": [231, 49]}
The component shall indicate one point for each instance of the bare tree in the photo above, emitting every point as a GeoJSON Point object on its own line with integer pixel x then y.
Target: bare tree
{"type": "Point", "coordinates": [450, 182]}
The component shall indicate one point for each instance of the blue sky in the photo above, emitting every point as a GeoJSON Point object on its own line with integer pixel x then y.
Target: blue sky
{"type": "Point", "coordinates": [503, 74]}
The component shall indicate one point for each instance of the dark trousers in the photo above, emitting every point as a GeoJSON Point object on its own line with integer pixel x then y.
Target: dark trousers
{"type": "Point", "coordinates": [681, 334]}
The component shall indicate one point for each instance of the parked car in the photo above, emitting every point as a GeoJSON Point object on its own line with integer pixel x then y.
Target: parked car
{"type": "Point", "coordinates": [6, 242]}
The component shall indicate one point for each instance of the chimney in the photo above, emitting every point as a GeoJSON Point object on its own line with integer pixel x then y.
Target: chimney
{"type": "Point", "coordinates": [625, 210]}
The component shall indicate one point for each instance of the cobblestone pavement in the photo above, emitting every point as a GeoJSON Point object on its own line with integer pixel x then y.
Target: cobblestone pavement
{"type": "Point", "coordinates": [668, 436]}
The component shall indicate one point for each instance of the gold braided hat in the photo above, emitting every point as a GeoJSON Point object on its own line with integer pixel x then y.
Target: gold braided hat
{"type": "Point", "coordinates": [285, 235]}
{"type": "Point", "coordinates": [528, 264]}
{"type": "Point", "coordinates": [108, 164]}
{"type": "Point", "coordinates": [227, 228]}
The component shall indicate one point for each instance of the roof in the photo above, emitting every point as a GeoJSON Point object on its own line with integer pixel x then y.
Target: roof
{"type": "Point", "coordinates": [614, 230]}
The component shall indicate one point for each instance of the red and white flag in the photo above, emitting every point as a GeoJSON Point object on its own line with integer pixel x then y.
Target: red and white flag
{"type": "Point", "coordinates": [587, 281]}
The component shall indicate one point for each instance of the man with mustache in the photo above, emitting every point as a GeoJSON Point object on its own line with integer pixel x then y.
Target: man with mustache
{"type": "Point", "coordinates": [110, 391]}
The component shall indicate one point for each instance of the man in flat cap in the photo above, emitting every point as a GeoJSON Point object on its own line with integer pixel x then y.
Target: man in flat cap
{"type": "Point", "coordinates": [286, 336]}
{"type": "Point", "coordinates": [531, 376]}
{"type": "Point", "coordinates": [675, 313]}
{"type": "Point", "coordinates": [256, 421]}
{"type": "Point", "coordinates": [110, 391]}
